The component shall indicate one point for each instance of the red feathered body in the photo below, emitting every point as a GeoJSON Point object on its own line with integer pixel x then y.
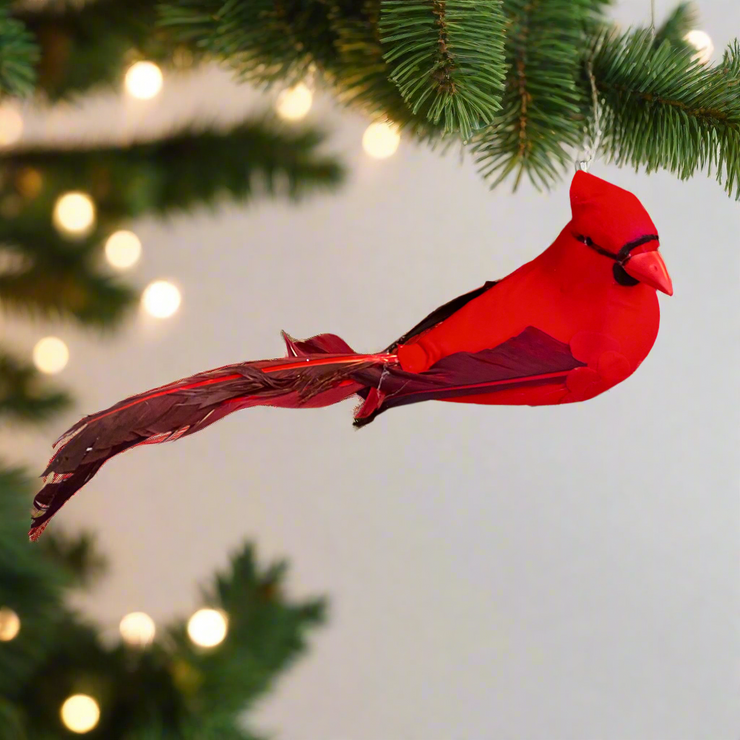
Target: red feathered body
{"type": "Point", "coordinates": [567, 326]}
{"type": "Point", "coordinates": [611, 329]}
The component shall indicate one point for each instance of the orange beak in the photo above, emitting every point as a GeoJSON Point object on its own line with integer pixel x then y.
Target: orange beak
{"type": "Point", "coordinates": [649, 268]}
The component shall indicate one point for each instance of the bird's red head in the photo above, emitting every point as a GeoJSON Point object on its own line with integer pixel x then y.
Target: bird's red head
{"type": "Point", "coordinates": [613, 223]}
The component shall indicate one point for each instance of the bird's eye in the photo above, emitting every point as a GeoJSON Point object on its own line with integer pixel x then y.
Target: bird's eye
{"type": "Point", "coordinates": [588, 241]}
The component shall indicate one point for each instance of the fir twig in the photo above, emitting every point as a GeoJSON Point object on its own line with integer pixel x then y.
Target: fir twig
{"type": "Point", "coordinates": [83, 47]}
{"type": "Point", "coordinates": [56, 280]}
{"type": "Point", "coordinates": [187, 168]}
{"type": "Point", "coordinates": [77, 555]}
{"type": "Point", "coordinates": [543, 104]}
{"type": "Point", "coordinates": [682, 19]}
{"type": "Point", "coordinates": [23, 396]}
{"type": "Point", "coordinates": [264, 40]}
{"type": "Point", "coordinates": [266, 634]}
{"type": "Point", "coordinates": [360, 75]}
{"type": "Point", "coordinates": [29, 585]}
{"type": "Point", "coordinates": [448, 57]}
{"type": "Point", "coordinates": [18, 55]}
{"type": "Point", "coordinates": [662, 109]}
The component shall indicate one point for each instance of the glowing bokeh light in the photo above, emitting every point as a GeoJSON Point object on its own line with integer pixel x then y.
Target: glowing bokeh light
{"type": "Point", "coordinates": [381, 140]}
{"type": "Point", "coordinates": [80, 713]}
{"type": "Point", "coordinates": [10, 624]}
{"type": "Point", "coordinates": [207, 628]}
{"type": "Point", "coordinates": [295, 102]}
{"type": "Point", "coordinates": [74, 213]}
{"type": "Point", "coordinates": [161, 299]}
{"type": "Point", "coordinates": [123, 249]}
{"type": "Point", "coordinates": [138, 629]}
{"type": "Point", "coordinates": [702, 43]}
{"type": "Point", "coordinates": [143, 80]}
{"type": "Point", "coordinates": [50, 355]}
{"type": "Point", "coordinates": [11, 125]}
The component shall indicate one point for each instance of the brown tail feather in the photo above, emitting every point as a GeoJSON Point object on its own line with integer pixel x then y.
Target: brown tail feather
{"type": "Point", "coordinates": [186, 406]}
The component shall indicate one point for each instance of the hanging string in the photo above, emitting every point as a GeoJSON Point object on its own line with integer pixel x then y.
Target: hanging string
{"type": "Point", "coordinates": [652, 17]}
{"type": "Point", "coordinates": [588, 154]}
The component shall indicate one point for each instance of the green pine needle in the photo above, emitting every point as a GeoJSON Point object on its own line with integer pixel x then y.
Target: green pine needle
{"type": "Point", "coordinates": [543, 104]}
{"type": "Point", "coordinates": [360, 75]}
{"type": "Point", "coordinates": [663, 110]}
{"type": "Point", "coordinates": [684, 18]}
{"type": "Point", "coordinates": [18, 56]}
{"type": "Point", "coordinates": [447, 58]}
{"type": "Point", "coordinates": [82, 48]}
{"type": "Point", "coordinates": [264, 41]}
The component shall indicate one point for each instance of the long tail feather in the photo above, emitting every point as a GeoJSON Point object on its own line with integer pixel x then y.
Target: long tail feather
{"type": "Point", "coordinates": [317, 372]}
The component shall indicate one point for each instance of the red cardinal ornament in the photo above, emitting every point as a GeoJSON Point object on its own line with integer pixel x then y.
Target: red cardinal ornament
{"type": "Point", "coordinates": [565, 327]}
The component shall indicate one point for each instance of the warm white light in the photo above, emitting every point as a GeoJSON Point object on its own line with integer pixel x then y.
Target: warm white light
{"type": "Point", "coordinates": [702, 43]}
{"type": "Point", "coordinates": [11, 125]}
{"type": "Point", "coordinates": [10, 624]}
{"type": "Point", "coordinates": [80, 713]}
{"type": "Point", "coordinates": [138, 629]}
{"type": "Point", "coordinates": [50, 355]}
{"type": "Point", "coordinates": [123, 249]}
{"type": "Point", "coordinates": [74, 213]}
{"type": "Point", "coordinates": [295, 102]}
{"type": "Point", "coordinates": [207, 628]}
{"type": "Point", "coordinates": [381, 140]}
{"type": "Point", "coordinates": [161, 299]}
{"type": "Point", "coordinates": [143, 80]}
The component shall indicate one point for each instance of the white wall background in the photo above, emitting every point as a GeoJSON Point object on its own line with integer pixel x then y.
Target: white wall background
{"type": "Point", "coordinates": [545, 574]}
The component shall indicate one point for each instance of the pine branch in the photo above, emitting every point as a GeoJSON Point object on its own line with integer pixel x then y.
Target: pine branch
{"type": "Point", "coordinates": [284, 41]}
{"type": "Point", "coordinates": [22, 395]}
{"type": "Point", "coordinates": [265, 40]}
{"type": "Point", "coordinates": [265, 636]}
{"type": "Point", "coordinates": [60, 281]}
{"type": "Point", "coordinates": [543, 104]}
{"type": "Point", "coordinates": [447, 55]}
{"type": "Point", "coordinates": [29, 585]}
{"type": "Point", "coordinates": [360, 75]}
{"type": "Point", "coordinates": [78, 556]}
{"type": "Point", "coordinates": [663, 110]}
{"type": "Point", "coordinates": [188, 168]}
{"type": "Point", "coordinates": [683, 19]}
{"type": "Point", "coordinates": [18, 55]}
{"type": "Point", "coordinates": [90, 46]}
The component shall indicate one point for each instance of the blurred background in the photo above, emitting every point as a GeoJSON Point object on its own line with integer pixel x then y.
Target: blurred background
{"type": "Point", "coordinates": [554, 573]}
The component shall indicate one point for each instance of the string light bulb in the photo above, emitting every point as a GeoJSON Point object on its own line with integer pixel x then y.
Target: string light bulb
{"type": "Point", "coordinates": [123, 249]}
{"type": "Point", "coordinates": [295, 102]}
{"type": "Point", "coordinates": [11, 125]}
{"type": "Point", "coordinates": [207, 627]}
{"type": "Point", "coordinates": [74, 214]}
{"type": "Point", "coordinates": [161, 299]}
{"type": "Point", "coordinates": [138, 629]}
{"type": "Point", "coordinates": [50, 355]}
{"type": "Point", "coordinates": [80, 713]}
{"type": "Point", "coordinates": [10, 624]}
{"type": "Point", "coordinates": [701, 41]}
{"type": "Point", "coordinates": [143, 80]}
{"type": "Point", "coordinates": [381, 140]}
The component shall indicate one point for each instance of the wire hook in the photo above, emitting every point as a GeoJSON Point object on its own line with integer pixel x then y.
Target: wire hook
{"type": "Point", "coordinates": [588, 155]}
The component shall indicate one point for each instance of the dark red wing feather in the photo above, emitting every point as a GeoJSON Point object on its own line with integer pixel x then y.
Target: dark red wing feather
{"type": "Point", "coordinates": [530, 358]}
